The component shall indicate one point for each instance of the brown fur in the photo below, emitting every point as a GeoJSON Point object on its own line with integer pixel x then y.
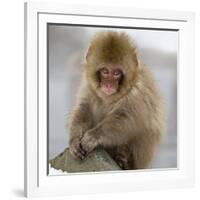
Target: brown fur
{"type": "Point", "coordinates": [128, 124]}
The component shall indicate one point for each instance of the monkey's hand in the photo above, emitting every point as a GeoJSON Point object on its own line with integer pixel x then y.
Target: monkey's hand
{"type": "Point", "coordinates": [89, 142]}
{"type": "Point", "coordinates": [75, 148]}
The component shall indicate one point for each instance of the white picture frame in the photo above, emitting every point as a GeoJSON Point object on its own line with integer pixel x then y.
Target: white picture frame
{"type": "Point", "coordinates": [37, 182]}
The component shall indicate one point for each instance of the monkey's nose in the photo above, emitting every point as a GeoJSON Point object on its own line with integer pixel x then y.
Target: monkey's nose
{"type": "Point", "coordinates": [108, 85]}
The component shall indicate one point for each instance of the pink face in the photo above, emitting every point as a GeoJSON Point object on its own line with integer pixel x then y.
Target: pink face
{"type": "Point", "coordinates": [109, 79]}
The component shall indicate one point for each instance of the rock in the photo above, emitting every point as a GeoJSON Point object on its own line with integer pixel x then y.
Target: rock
{"type": "Point", "coordinates": [98, 160]}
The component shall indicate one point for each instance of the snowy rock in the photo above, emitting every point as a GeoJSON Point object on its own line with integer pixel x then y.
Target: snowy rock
{"type": "Point", "coordinates": [98, 160]}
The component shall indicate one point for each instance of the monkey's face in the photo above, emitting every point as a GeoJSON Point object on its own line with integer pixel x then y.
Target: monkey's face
{"type": "Point", "coordinates": [111, 65]}
{"type": "Point", "coordinates": [110, 77]}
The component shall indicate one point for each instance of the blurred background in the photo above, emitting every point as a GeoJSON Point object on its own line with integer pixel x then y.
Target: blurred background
{"type": "Point", "coordinates": [67, 47]}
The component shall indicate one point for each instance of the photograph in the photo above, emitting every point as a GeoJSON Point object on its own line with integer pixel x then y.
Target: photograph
{"type": "Point", "coordinates": [111, 98]}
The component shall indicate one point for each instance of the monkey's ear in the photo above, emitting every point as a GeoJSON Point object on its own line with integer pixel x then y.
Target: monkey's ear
{"type": "Point", "coordinates": [88, 53]}
{"type": "Point", "coordinates": [136, 58]}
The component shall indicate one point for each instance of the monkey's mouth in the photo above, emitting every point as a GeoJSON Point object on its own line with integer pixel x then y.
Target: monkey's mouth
{"type": "Point", "coordinates": [108, 90]}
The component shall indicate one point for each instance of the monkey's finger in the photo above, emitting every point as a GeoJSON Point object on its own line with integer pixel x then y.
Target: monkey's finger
{"type": "Point", "coordinates": [76, 153]}
{"type": "Point", "coordinates": [86, 148]}
{"type": "Point", "coordinates": [83, 147]}
{"type": "Point", "coordinates": [82, 151]}
{"type": "Point", "coordinates": [79, 154]}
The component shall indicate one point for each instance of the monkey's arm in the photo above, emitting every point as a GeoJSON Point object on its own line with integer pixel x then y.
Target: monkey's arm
{"type": "Point", "coordinates": [115, 129]}
{"type": "Point", "coordinates": [81, 121]}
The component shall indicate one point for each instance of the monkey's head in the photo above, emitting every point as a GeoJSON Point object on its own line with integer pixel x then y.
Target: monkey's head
{"type": "Point", "coordinates": [111, 64]}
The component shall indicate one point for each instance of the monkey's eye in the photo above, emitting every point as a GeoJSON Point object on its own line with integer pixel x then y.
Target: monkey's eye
{"type": "Point", "coordinates": [117, 73]}
{"type": "Point", "coordinates": [104, 71]}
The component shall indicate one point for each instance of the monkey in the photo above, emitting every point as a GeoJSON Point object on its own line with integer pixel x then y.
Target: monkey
{"type": "Point", "coordinates": [119, 106]}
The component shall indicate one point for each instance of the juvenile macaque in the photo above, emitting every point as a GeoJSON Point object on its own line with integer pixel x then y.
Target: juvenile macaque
{"type": "Point", "coordinates": [119, 106]}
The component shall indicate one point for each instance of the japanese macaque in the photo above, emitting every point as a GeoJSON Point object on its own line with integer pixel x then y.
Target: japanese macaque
{"type": "Point", "coordinates": [119, 107]}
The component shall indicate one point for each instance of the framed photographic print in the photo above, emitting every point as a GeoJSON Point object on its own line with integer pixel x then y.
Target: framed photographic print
{"type": "Point", "coordinates": [109, 99]}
